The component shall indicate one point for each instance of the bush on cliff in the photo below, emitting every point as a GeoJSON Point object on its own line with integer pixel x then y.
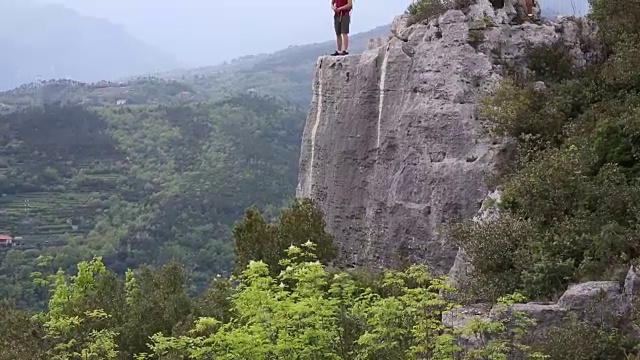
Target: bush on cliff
{"type": "Point", "coordinates": [571, 202]}
{"type": "Point", "coordinates": [421, 10]}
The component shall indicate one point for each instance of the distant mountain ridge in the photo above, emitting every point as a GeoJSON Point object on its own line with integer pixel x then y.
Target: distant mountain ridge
{"type": "Point", "coordinates": [294, 53]}
{"type": "Point", "coordinates": [285, 74]}
{"type": "Point", "coordinates": [53, 42]}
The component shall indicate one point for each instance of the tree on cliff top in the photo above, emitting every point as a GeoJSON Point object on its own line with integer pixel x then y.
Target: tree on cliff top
{"type": "Point", "coordinates": [420, 10]}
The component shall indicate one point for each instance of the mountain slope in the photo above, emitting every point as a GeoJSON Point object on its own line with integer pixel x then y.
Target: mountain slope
{"type": "Point", "coordinates": [51, 41]}
{"type": "Point", "coordinates": [135, 92]}
{"type": "Point", "coordinates": [139, 184]}
{"type": "Point", "coordinates": [286, 74]}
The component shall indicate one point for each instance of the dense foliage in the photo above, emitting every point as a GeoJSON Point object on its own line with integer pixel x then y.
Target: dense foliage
{"type": "Point", "coordinates": [307, 311]}
{"type": "Point", "coordinates": [139, 184]}
{"type": "Point", "coordinates": [570, 203]}
{"type": "Point", "coordinates": [257, 240]}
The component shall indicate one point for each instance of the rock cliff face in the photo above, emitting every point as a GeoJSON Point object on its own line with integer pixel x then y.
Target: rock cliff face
{"type": "Point", "coordinates": [393, 150]}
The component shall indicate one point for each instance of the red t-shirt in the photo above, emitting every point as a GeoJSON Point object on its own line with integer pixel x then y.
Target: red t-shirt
{"type": "Point", "coordinates": [340, 3]}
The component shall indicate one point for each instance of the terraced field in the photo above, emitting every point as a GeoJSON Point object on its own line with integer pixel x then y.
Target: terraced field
{"type": "Point", "coordinates": [58, 169]}
{"type": "Point", "coordinates": [47, 218]}
{"type": "Point", "coordinates": [138, 184]}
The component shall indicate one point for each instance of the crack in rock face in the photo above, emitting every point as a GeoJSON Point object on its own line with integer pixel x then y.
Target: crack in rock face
{"type": "Point", "coordinates": [392, 150]}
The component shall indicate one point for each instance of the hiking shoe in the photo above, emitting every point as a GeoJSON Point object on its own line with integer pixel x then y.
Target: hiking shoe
{"type": "Point", "coordinates": [345, 53]}
{"type": "Point", "coordinates": [336, 53]}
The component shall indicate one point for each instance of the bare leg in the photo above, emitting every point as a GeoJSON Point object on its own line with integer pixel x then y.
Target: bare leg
{"type": "Point", "coordinates": [339, 43]}
{"type": "Point", "coordinates": [345, 41]}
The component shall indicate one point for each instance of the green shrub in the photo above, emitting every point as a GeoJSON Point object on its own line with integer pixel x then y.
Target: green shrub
{"type": "Point", "coordinates": [421, 10]}
{"type": "Point", "coordinates": [578, 340]}
{"type": "Point", "coordinates": [564, 221]}
{"type": "Point", "coordinates": [258, 240]}
{"type": "Point", "coordinates": [599, 333]}
{"type": "Point", "coordinates": [618, 21]}
{"type": "Point", "coordinates": [497, 252]}
{"type": "Point", "coordinates": [476, 37]}
{"type": "Point", "coordinates": [570, 208]}
{"type": "Point", "coordinates": [550, 63]}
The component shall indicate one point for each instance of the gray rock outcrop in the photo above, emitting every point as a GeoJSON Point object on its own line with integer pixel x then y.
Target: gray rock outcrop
{"type": "Point", "coordinates": [594, 301]}
{"type": "Point", "coordinates": [393, 151]}
{"type": "Point", "coordinates": [462, 270]}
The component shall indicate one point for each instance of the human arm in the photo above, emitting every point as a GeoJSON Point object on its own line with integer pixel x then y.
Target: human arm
{"type": "Point", "coordinates": [333, 5]}
{"type": "Point", "coordinates": [346, 7]}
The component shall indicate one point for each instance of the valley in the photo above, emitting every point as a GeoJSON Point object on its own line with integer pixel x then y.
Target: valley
{"type": "Point", "coordinates": [139, 184]}
{"type": "Point", "coordinates": [147, 169]}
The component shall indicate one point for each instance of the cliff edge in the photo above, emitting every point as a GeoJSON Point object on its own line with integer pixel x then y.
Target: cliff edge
{"type": "Point", "coordinates": [393, 150]}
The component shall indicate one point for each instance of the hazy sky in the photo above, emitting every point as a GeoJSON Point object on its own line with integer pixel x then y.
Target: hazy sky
{"type": "Point", "coordinates": [202, 32]}
{"type": "Point", "coordinates": [206, 32]}
{"type": "Point", "coordinates": [566, 6]}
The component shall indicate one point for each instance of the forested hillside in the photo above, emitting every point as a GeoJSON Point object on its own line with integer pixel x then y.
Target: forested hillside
{"type": "Point", "coordinates": [287, 74]}
{"type": "Point", "coordinates": [139, 184]}
{"type": "Point", "coordinates": [134, 92]}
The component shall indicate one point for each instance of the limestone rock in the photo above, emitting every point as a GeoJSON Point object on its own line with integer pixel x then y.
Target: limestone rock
{"type": "Point", "coordinates": [596, 301]}
{"type": "Point", "coordinates": [539, 86]}
{"type": "Point", "coordinates": [400, 27]}
{"type": "Point", "coordinates": [632, 282]}
{"type": "Point", "coordinates": [483, 10]}
{"type": "Point", "coordinates": [546, 316]}
{"type": "Point", "coordinates": [582, 295]}
{"type": "Point", "coordinates": [376, 43]}
{"type": "Point", "coordinates": [392, 150]}
{"type": "Point", "coordinates": [490, 208]}
{"type": "Point", "coordinates": [462, 270]}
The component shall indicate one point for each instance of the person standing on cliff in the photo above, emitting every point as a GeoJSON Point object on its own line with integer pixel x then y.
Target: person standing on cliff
{"type": "Point", "coordinates": [341, 22]}
{"type": "Point", "coordinates": [529, 7]}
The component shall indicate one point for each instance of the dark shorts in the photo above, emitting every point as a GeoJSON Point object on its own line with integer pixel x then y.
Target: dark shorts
{"type": "Point", "coordinates": [341, 24]}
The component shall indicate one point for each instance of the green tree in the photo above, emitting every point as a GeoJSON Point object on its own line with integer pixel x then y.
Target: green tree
{"type": "Point", "coordinates": [76, 327]}
{"type": "Point", "coordinates": [305, 319]}
{"type": "Point", "coordinates": [157, 301]}
{"type": "Point", "coordinates": [258, 240]}
{"type": "Point", "coordinates": [20, 338]}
